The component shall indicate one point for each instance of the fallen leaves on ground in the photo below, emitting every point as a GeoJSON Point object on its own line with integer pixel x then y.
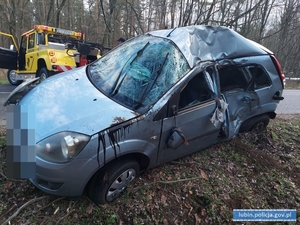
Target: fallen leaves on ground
{"type": "Point", "coordinates": [250, 171]}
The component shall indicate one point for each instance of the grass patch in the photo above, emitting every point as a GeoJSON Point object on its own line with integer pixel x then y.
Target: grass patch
{"type": "Point", "coordinates": [249, 172]}
{"type": "Point", "coordinates": [292, 84]}
{"type": "Point", "coordinates": [2, 141]}
{"type": "Point", "coordinates": [3, 76]}
{"type": "Point", "coordinates": [4, 81]}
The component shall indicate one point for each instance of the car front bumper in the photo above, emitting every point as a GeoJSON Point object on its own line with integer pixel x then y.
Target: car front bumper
{"type": "Point", "coordinates": [68, 179]}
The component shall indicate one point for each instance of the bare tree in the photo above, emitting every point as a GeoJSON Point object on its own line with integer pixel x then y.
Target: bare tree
{"type": "Point", "coordinates": [287, 39]}
{"type": "Point", "coordinates": [274, 23]}
{"type": "Point", "coordinates": [15, 18]}
{"type": "Point", "coordinates": [59, 6]}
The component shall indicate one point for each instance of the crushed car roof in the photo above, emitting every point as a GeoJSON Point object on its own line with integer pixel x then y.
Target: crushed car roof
{"type": "Point", "coordinates": [202, 43]}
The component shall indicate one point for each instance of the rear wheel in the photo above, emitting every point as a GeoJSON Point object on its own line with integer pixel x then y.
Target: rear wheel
{"type": "Point", "coordinates": [107, 185]}
{"type": "Point", "coordinates": [261, 125]}
{"type": "Point", "coordinates": [43, 74]}
{"type": "Point", "coordinates": [257, 123]}
{"type": "Point", "coordinates": [11, 76]}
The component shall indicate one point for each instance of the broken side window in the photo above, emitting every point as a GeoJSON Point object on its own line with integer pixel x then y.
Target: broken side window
{"type": "Point", "coordinates": [233, 77]}
{"type": "Point", "coordinates": [260, 76]}
{"type": "Point", "coordinates": [195, 92]}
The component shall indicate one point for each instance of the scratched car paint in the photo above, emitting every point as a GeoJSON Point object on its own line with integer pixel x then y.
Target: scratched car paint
{"type": "Point", "coordinates": [155, 98]}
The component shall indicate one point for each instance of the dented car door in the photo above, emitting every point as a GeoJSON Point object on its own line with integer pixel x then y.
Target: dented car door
{"type": "Point", "coordinates": [241, 105]}
{"type": "Point", "coordinates": [190, 127]}
{"type": "Point", "coordinates": [242, 100]}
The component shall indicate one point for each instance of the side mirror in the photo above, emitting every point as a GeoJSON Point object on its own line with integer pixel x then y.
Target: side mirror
{"type": "Point", "coordinates": [176, 139]}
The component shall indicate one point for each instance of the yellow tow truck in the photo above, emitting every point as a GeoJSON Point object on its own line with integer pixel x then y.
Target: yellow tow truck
{"type": "Point", "coordinates": [45, 51]}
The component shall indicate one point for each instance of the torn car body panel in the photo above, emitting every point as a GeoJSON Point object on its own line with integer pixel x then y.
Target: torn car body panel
{"type": "Point", "coordinates": [241, 106]}
{"type": "Point", "coordinates": [205, 43]}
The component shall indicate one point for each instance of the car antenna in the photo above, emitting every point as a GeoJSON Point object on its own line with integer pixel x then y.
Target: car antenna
{"type": "Point", "coordinates": [171, 32]}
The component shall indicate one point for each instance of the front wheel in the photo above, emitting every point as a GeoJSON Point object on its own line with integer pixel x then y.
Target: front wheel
{"type": "Point", "coordinates": [43, 74]}
{"type": "Point", "coordinates": [11, 76]}
{"type": "Point", "coordinates": [107, 185]}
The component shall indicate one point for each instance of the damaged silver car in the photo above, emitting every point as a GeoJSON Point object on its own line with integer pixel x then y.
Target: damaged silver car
{"type": "Point", "coordinates": [155, 98]}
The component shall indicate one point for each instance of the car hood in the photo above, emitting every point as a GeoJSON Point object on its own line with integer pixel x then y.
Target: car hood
{"type": "Point", "coordinates": [70, 102]}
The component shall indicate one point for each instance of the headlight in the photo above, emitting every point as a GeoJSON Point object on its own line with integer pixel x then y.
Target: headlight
{"type": "Point", "coordinates": [61, 147]}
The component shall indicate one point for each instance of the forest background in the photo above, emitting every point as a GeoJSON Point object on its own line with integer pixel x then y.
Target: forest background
{"type": "Point", "coordinates": [251, 171]}
{"type": "Point", "coordinates": [272, 23]}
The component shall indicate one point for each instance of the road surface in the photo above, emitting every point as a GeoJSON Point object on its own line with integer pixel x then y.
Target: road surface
{"type": "Point", "coordinates": [290, 104]}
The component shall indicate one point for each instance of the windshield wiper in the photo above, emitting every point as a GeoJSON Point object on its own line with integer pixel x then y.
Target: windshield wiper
{"type": "Point", "coordinates": [117, 84]}
{"type": "Point", "coordinates": [140, 52]}
{"type": "Point", "coordinates": [149, 87]}
{"type": "Point", "coordinates": [171, 32]}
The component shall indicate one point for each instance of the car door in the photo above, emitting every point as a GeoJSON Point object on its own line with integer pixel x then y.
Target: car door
{"type": "Point", "coordinates": [8, 58]}
{"type": "Point", "coordinates": [189, 128]}
{"type": "Point", "coordinates": [8, 55]}
{"type": "Point", "coordinates": [30, 52]}
{"type": "Point", "coordinates": [242, 100]}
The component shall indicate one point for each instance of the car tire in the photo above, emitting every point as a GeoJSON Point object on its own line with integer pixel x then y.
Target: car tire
{"type": "Point", "coordinates": [11, 78]}
{"type": "Point", "coordinates": [43, 74]}
{"type": "Point", "coordinates": [261, 124]}
{"type": "Point", "coordinates": [257, 124]}
{"type": "Point", "coordinates": [108, 184]}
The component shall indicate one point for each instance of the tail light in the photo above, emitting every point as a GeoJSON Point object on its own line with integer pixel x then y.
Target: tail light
{"type": "Point", "coordinates": [278, 68]}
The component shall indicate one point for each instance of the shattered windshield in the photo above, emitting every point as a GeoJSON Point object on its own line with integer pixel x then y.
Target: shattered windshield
{"type": "Point", "coordinates": [139, 72]}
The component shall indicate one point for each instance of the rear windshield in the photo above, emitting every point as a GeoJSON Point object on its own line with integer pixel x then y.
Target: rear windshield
{"type": "Point", "coordinates": [137, 73]}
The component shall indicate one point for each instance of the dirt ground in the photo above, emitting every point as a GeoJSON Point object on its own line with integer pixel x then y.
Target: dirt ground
{"type": "Point", "coordinates": [249, 172]}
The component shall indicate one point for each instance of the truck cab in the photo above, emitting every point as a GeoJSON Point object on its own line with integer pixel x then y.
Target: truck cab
{"type": "Point", "coordinates": [45, 51]}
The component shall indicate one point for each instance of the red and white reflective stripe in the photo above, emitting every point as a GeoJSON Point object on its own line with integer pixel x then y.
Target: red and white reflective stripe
{"type": "Point", "coordinates": [65, 68]}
